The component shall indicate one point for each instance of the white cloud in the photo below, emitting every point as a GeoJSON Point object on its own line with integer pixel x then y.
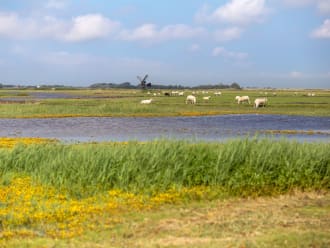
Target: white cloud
{"type": "Point", "coordinates": [91, 26]}
{"type": "Point", "coordinates": [238, 12]}
{"type": "Point", "coordinates": [146, 31]}
{"type": "Point", "coordinates": [80, 28]}
{"type": "Point", "coordinates": [228, 34]}
{"type": "Point", "coordinates": [8, 23]}
{"type": "Point", "coordinates": [221, 51]}
{"type": "Point", "coordinates": [323, 31]}
{"type": "Point", "coordinates": [151, 33]}
{"type": "Point", "coordinates": [12, 26]}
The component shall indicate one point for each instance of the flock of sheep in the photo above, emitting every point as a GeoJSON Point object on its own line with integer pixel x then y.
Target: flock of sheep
{"type": "Point", "coordinates": [191, 99]}
{"type": "Point", "coordinates": [259, 102]}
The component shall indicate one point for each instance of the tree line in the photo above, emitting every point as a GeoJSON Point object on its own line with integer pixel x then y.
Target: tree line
{"type": "Point", "coordinates": [128, 85]}
{"type": "Point", "coordinates": [125, 85]}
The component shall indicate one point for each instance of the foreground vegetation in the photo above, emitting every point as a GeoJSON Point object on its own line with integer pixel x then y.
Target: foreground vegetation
{"type": "Point", "coordinates": [295, 220]}
{"type": "Point", "coordinates": [116, 102]}
{"type": "Point", "coordinates": [239, 167]}
{"type": "Point", "coordinates": [165, 193]}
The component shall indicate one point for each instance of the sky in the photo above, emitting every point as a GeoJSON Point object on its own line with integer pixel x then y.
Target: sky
{"type": "Point", "coordinates": [256, 43]}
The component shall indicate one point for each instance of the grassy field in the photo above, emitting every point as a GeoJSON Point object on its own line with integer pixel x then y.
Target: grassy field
{"type": "Point", "coordinates": [127, 103]}
{"type": "Point", "coordinates": [250, 193]}
{"type": "Point", "coordinates": [241, 193]}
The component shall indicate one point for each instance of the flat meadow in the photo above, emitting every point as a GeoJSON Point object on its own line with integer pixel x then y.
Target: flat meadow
{"type": "Point", "coordinates": [118, 102]}
{"type": "Point", "coordinates": [250, 192]}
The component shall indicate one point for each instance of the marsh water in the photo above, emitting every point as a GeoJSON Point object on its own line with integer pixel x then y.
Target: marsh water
{"type": "Point", "coordinates": [207, 128]}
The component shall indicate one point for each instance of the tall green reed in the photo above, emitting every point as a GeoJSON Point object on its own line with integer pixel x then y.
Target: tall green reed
{"type": "Point", "coordinates": [238, 167]}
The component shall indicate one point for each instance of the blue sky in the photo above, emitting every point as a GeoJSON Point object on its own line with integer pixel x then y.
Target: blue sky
{"type": "Point", "coordinates": [261, 43]}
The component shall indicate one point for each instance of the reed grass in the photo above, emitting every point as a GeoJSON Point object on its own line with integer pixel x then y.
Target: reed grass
{"type": "Point", "coordinates": [239, 167]}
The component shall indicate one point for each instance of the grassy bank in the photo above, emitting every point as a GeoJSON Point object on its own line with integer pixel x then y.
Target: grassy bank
{"type": "Point", "coordinates": [239, 167]}
{"type": "Point", "coordinates": [127, 103]}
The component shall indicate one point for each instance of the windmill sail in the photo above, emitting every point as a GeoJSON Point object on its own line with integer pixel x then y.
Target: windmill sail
{"type": "Point", "coordinates": [143, 82]}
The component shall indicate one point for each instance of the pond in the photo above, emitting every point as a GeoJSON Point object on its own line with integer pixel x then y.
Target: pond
{"type": "Point", "coordinates": [207, 128]}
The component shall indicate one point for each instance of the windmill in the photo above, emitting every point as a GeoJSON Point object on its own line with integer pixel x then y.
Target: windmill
{"type": "Point", "coordinates": [143, 82]}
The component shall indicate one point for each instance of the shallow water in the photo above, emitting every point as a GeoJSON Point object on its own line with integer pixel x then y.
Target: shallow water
{"type": "Point", "coordinates": [208, 128]}
{"type": "Point", "coordinates": [34, 96]}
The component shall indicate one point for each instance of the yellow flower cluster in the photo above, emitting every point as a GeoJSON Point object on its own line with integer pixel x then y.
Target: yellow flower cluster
{"type": "Point", "coordinates": [24, 204]}
{"type": "Point", "coordinates": [31, 209]}
{"type": "Point", "coordinates": [6, 142]}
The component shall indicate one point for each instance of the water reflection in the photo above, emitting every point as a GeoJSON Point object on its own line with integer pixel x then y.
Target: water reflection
{"type": "Point", "coordinates": [209, 128]}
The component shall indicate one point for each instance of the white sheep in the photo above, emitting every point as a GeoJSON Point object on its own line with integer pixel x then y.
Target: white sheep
{"type": "Point", "coordinates": [146, 101]}
{"type": "Point", "coordinates": [218, 93]}
{"type": "Point", "coordinates": [206, 98]}
{"type": "Point", "coordinates": [191, 99]}
{"type": "Point", "coordinates": [241, 99]}
{"type": "Point", "coordinates": [260, 102]}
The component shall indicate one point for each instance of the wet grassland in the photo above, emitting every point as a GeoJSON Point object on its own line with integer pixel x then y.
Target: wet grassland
{"type": "Point", "coordinates": [165, 193]}
{"type": "Point", "coordinates": [23, 104]}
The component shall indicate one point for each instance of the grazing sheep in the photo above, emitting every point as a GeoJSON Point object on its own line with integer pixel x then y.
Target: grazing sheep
{"type": "Point", "coordinates": [206, 98]}
{"type": "Point", "coordinates": [218, 93]}
{"type": "Point", "coordinates": [181, 93]}
{"type": "Point", "coordinates": [260, 102]}
{"type": "Point", "coordinates": [146, 101]}
{"type": "Point", "coordinates": [191, 99]}
{"type": "Point", "coordinates": [241, 99]}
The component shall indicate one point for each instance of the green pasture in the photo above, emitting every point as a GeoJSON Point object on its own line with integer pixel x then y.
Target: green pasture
{"type": "Point", "coordinates": [127, 103]}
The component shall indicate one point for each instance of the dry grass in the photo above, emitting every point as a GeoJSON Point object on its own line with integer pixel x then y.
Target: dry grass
{"type": "Point", "coordinates": [295, 220]}
{"type": "Point", "coordinates": [242, 222]}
